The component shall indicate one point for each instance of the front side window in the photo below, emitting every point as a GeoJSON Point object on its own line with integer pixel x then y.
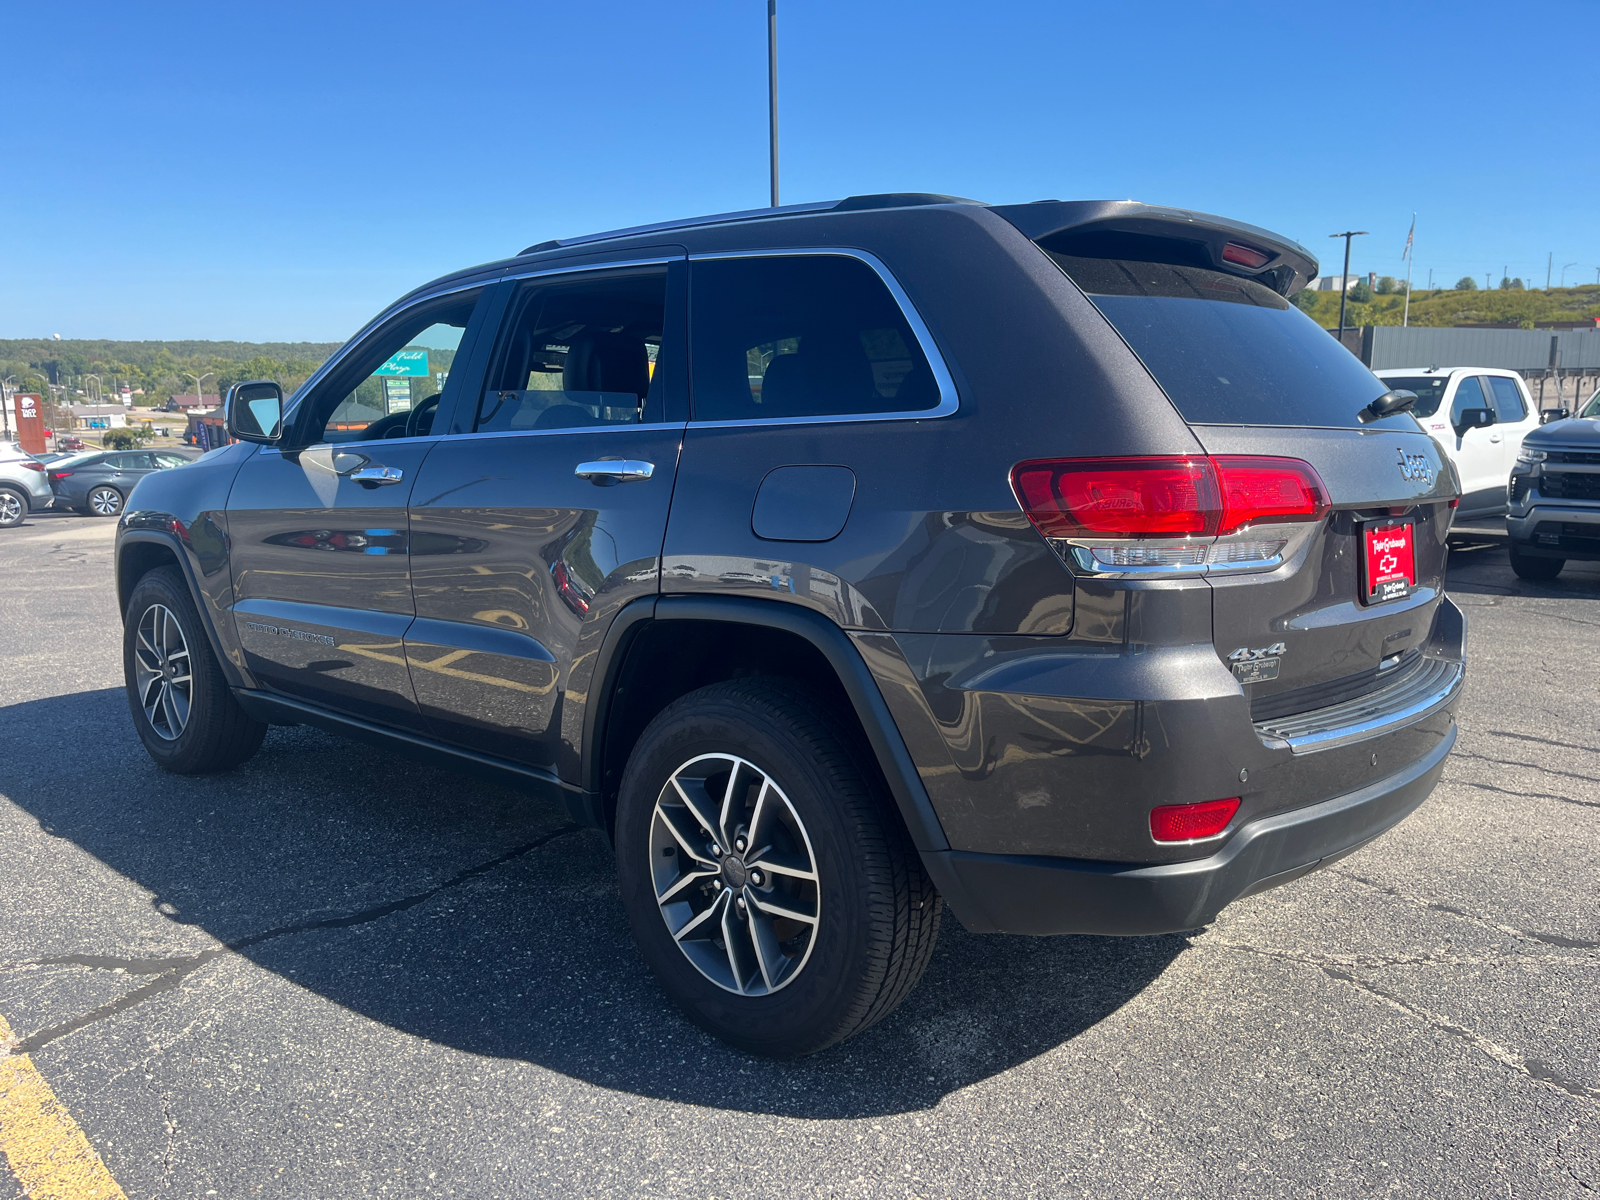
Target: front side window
{"type": "Point", "coordinates": [1430, 391]}
{"type": "Point", "coordinates": [1469, 394]}
{"type": "Point", "coordinates": [801, 336]}
{"type": "Point", "coordinates": [389, 386]}
{"type": "Point", "coordinates": [1508, 406]}
{"type": "Point", "coordinates": [133, 462]}
{"type": "Point", "coordinates": [580, 353]}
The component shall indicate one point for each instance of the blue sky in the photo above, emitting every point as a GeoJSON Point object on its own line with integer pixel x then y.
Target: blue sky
{"type": "Point", "coordinates": [281, 171]}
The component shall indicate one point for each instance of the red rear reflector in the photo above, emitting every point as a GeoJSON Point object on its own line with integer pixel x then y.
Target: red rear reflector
{"type": "Point", "coordinates": [1455, 500]}
{"type": "Point", "coordinates": [1191, 822]}
{"type": "Point", "coordinates": [1157, 497]}
{"type": "Point", "coordinates": [1245, 256]}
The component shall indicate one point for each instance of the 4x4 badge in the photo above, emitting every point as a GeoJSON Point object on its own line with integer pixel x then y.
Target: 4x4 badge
{"type": "Point", "coordinates": [1257, 666]}
{"type": "Point", "coordinates": [1416, 468]}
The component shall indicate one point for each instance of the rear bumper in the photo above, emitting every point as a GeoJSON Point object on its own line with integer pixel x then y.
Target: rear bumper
{"type": "Point", "coordinates": [1000, 893]}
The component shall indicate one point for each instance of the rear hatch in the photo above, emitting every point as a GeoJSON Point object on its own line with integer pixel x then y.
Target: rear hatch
{"type": "Point", "coordinates": [1325, 581]}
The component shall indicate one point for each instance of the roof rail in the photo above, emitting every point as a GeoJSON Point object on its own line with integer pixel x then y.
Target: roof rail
{"type": "Point", "coordinates": [849, 204]}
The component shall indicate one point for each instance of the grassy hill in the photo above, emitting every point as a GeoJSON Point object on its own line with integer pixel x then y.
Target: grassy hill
{"type": "Point", "coordinates": [1445, 307]}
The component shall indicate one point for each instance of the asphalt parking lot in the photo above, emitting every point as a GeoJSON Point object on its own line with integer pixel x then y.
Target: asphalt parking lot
{"type": "Point", "coordinates": [337, 973]}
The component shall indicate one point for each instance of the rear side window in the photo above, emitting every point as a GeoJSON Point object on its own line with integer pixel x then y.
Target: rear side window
{"type": "Point", "coordinates": [1508, 406]}
{"type": "Point", "coordinates": [580, 353]}
{"type": "Point", "coordinates": [1228, 351]}
{"type": "Point", "coordinates": [801, 336]}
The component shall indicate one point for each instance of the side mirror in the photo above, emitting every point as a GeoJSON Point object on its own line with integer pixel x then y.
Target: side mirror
{"type": "Point", "coordinates": [1473, 418]}
{"type": "Point", "coordinates": [255, 412]}
{"type": "Point", "coordinates": [1554, 414]}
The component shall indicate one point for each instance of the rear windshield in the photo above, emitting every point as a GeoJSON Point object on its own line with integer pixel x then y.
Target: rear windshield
{"type": "Point", "coordinates": [1429, 390]}
{"type": "Point", "coordinates": [1228, 351]}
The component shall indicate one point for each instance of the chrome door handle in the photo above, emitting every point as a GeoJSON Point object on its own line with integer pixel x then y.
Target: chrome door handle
{"type": "Point", "coordinates": [377, 476]}
{"type": "Point", "coordinates": [614, 470]}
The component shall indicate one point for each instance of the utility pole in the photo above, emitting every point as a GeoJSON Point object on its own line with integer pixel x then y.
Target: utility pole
{"type": "Point", "coordinates": [772, 91]}
{"type": "Point", "coordinates": [1487, 275]}
{"type": "Point", "coordinates": [1547, 265]}
{"type": "Point", "coordinates": [1344, 280]}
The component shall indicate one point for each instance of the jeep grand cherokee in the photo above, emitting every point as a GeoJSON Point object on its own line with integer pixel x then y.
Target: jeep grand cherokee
{"type": "Point", "coordinates": [840, 561]}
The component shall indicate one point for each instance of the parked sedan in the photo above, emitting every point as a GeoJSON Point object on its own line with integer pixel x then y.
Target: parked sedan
{"type": "Point", "coordinates": [98, 484]}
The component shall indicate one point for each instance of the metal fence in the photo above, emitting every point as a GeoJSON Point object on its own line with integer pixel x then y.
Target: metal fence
{"type": "Point", "coordinates": [1568, 351]}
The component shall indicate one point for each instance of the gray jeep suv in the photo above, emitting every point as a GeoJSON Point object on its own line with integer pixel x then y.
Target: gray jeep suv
{"type": "Point", "coordinates": [840, 561]}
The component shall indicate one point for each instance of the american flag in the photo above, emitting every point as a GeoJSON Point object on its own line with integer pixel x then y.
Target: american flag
{"type": "Point", "coordinates": [1409, 236]}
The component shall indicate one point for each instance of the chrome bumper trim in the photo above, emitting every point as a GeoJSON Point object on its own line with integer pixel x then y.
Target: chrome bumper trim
{"type": "Point", "coordinates": [1432, 686]}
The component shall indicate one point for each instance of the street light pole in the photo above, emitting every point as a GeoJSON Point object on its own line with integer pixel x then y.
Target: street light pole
{"type": "Point", "coordinates": [199, 391]}
{"type": "Point", "coordinates": [1564, 267]}
{"type": "Point", "coordinates": [772, 92]}
{"type": "Point", "coordinates": [1344, 280]}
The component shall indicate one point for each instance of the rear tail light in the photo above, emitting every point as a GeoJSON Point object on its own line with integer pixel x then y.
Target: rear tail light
{"type": "Point", "coordinates": [1245, 256]}
{"type": "Point", "coordinates": [1128, 514]}
{"type": "Point", "coordinates": [34, 466]}
{"type": "Point", "coordinates": [59, 474]}
{"type": "Point", "coordinates": [1191, 822]}
{"type": "Point", "coordinates": [1119, 497]}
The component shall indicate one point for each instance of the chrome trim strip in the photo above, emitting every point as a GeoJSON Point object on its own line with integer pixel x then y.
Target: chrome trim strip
{"type": "Point", "coordinates": [505, 433]}
{"type": "Point", "coordinates": [1425, 693]}
{"type": "Point", "coordinates": [948, 400]}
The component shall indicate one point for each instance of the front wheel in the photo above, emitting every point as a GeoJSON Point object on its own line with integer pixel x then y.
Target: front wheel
{"type": "Point", "coordinates": [105, 502]}
{"type": "Point", "coordinates": [186, 717]}
{"type": "Point", "coordinates": [770, 884]}
{"type": "Point", "coordinates": [1533, 567]}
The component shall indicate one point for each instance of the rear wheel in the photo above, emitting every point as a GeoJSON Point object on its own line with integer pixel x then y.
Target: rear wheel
{"type": "Point", "coordinates": [13, 507]}
{"type": "Point", "coordinates": [187, 718]}
{"type": "Point", "coordinates": [771, 886]}
{"type": "Point", "coordinates": [1530, 566]}
{"type": "Point", "coordinates": [105, 501]}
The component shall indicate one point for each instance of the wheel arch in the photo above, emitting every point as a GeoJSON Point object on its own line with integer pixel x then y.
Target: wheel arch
{"type": "Point", "coordinates": [659, 649]}
{"type": "Point", "coordinates": [140, 551]}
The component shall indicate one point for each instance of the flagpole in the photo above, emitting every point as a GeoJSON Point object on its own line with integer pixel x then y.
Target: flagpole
{"type": "Point", "coordinates": [1411, 258]}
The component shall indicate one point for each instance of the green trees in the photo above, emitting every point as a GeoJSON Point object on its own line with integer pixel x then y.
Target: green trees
{"type": "Point", "coordinates": [1466, 284]}
{"type": "Point", "coordinates": [120, 439]}
{"type": "Point", "coordinates": [1386, 285]}
{"type": "Point", "coordinates": [1360, 293]}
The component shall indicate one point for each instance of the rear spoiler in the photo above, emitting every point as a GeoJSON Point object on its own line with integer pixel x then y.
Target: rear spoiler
{"type": "Point", "coordinates": [1287, 269]}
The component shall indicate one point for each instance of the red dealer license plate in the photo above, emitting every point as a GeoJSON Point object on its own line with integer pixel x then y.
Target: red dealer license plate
{"type": "Point", "coordinates": [1391, 566]}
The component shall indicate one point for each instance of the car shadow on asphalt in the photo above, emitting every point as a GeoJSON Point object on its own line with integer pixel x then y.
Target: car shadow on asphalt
{"type": "Point", "coordinates": [464, 912]}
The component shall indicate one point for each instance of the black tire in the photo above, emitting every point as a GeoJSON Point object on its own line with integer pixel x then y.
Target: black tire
{"type": "Point", "coordinates": [877, 913]}
{"type": "Point", "coordinates": [1533, 567]}
{"type": "Point", "coordinates": [215, 733]}
{"type": "Point", "coordinates": [13, 508]}
{"type": "Point", "coordinates": [110, 504]}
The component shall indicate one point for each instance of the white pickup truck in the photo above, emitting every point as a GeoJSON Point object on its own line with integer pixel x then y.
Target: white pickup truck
{"type": "Point", "coordinates": [1479, 415]}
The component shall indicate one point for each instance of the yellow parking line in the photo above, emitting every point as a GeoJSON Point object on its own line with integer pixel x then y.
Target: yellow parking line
{"type": "Point", "coordinates": [48, 1153]}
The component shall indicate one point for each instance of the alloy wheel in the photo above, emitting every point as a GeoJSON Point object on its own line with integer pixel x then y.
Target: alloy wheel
{"type": "Point", "coordinates": [106, 502]}
{"type": "Point", "coordinates": [734, 873]}
{"type": "Point", "coordinates": [163, 674]}
{"type": "Point", "coordinates": [10, 508]}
